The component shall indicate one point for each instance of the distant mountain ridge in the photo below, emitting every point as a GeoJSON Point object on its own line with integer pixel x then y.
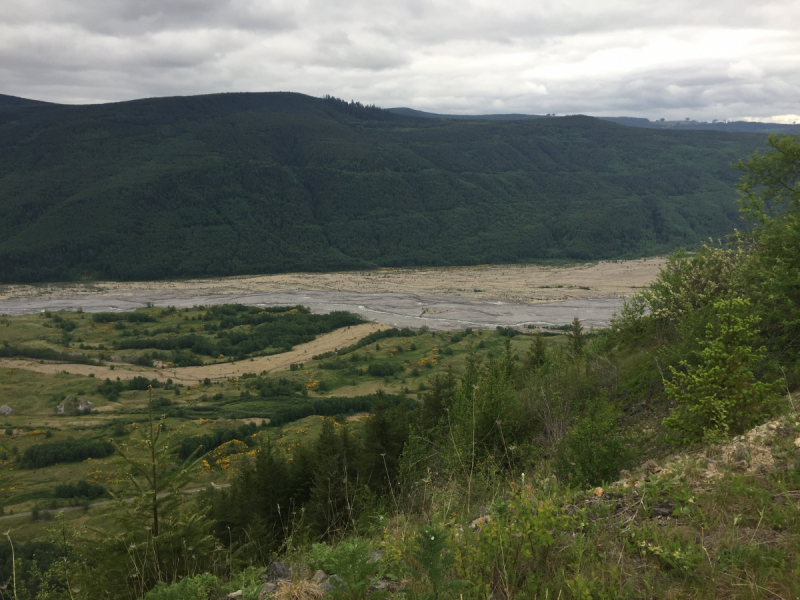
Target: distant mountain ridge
{"type": "Point", "coordinates": [227, 184]}
{"type": "Point", "coordinates": [687, 125]}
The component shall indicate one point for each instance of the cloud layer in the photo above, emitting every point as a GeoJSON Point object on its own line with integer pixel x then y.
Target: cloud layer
{"type": "Point", "coordinates": [714, 60]}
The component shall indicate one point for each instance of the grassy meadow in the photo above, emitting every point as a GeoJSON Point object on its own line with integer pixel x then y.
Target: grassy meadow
{"type": "Point", "coordinates": [401, 365]}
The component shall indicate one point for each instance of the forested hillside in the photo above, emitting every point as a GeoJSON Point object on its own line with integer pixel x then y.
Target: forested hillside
{"type": "Point", "coordinates": [244, 183]}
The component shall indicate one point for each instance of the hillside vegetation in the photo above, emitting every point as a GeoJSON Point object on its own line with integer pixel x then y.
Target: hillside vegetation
{"type": "Point", "coordinates": [659, 458]}
{"type": "Point", "coordinates": [263, 183]}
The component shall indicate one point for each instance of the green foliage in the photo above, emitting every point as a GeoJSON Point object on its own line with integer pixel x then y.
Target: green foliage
{"type": "Point", "coordinates": [770, 195]}
{"type": "Point", "coordinates": [31, 559]}
{"type": "Point", "coordinates": [201, 444]}
{"type": "Point", "coordinates": [575, 337]}
{"type": "Point", "coordinates": [322, 490]}
{"type": "Point", "coordinates": [676, 555]}
{"type": "Point", "coordinates": [249, 330]}
{"type": "Point", "coordinates": [514, 545]}
{"type": "Point", "coordinates": [8, 351]}
{"type": "Point", "coordinates": [537, 353]}
{"type": "Point", "coordinates": [721, 396]}
{"type": "Point", "coordinates": [593, 452]}
{"type": "Point", "coordinates": [435, 560]}
{"type": "Point", "coordinates": [157, 536]}
{"type": "Point", "coordinates": [51, 453]}
{"type": "Point", "coordinates": [328, 407]}
{"type": "Point", "coordinates": [381, 369]}
{"type": "Point", "coordinates": [82, 489]}
{"type": "Point", "coordinates": [351, 560]}
{"type": "Point", "coordinates": [690, 284]}
{"type": "Point", "coordinates": [374, 337]}
{"type": "Point", "coordinates": [286, 182]}
{"type": "Point", "coordinates": [199, 587]}
{"type": "Point", "coordinates": [485, 418]}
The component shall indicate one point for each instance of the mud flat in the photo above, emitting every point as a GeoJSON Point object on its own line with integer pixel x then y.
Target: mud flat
{"type": "Point", "coordinates": [441, 299]}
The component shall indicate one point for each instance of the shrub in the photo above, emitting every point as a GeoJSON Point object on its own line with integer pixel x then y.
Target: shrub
{"type": "Point", "coordinates": [592, 451]}
{"type": "Point", "coordinates": [82, 489]}
{"type": "Point", "coordinates": [199, 587]}
{"type": "Point", "coordinates": [351, 561]}
{"type": "Point", "coordinates": [721, 396]}
{"type": "Point", "coordinates": [44, 455]}
{"type": "Point", "coordinates": [381, 369]}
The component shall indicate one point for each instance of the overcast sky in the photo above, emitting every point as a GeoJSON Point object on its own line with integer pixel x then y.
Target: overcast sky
{"type": "Point", "coordinates": [703, 59]}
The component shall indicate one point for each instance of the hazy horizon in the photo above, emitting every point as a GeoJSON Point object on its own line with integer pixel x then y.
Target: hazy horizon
{"type": "Point", "coordinates": [721, 60]}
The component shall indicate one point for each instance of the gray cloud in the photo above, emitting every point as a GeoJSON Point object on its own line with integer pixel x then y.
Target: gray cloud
{"type": "Point", "coordinates": [718, 59]}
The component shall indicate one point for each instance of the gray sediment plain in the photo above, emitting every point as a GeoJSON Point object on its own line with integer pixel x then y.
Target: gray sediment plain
{"type": "Point", "coordinates": [443, 298]}
{"type": "Point", "coordinates": [442, 313]}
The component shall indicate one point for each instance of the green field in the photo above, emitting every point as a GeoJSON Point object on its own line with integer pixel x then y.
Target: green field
{"type": "Point", "coordinates": [401, 363]}
{"type": "Point", "coordinates": [189, 337]}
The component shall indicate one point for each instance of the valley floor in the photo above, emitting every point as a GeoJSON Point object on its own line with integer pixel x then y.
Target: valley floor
{"type": "Point", "coordinates": [509, 283]}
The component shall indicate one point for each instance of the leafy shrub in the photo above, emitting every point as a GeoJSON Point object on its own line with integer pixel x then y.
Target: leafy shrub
{"type": "Point", "coordinates": [436, 561]}
{"type": "Point", "coordinates": [381, 369]}
{"type": "Point", "coordinates": [199, 587]}
{"type": "Point", "coordinates": [592, 451]}
{"type": "Point", "coordinates": [46, 354]}
{"type": "Point", "coordinates": [82, 489]}
{"type": "Point", "coordinates": [721, 395]}
{"type": "Point", "coordinates": [351, 561]}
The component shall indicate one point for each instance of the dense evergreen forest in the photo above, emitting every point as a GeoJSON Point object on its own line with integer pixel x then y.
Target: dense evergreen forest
{"type": "Point", "coordinates": [261, 183]}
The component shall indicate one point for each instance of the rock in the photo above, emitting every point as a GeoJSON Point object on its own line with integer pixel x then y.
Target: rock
{"type": "Point", "coordinates": [740, 466]}
{"type": "Point", "coordinates": [319, 576]}
{"type": "Point", "coordinates": [651, 466]}
{"type": "Point", "coordinates": [740, 453]}
{"type": "Point", "coordinates": [6, 410]}
{"type": "Point", "coordinates": [480, 522]}
{"type": "Point", "coordinates": [267, 590]}
{"type": "Point", "coordinates": [663, 509]}
{"type": "Point", "coordinates": [379, 586]}
{"type": "Point", "coordinates": [376, 556]}
{"type": "Point", "coordinates": [237, 595]}
{"type": "Point", "coordinates": [797, 443]}
{"type": "Point", "coordinates": [276, 572]}
{"type": "Point", "coordinates": [331, 583]}
{"type": "Point", "coordinates": [74, 406]}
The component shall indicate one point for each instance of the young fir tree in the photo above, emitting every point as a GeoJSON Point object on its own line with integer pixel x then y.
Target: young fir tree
{"type": "Point", "coordinates": [537, 353]}
{"type": "Point", "coordinates": [575, 337]}
{"type": "Point", "coordinates": [162, 537]}
{"type": "Point", "coordinates": [720, 395]}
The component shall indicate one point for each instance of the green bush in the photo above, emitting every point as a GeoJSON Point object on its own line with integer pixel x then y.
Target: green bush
{"type": "Point", "coordinates": [82, 489]}
{"type": "Point", "coordinates": [378, 369]}
{"type": "Point", "coordinates": [352, 562]}
{"type": "Point", "coordinates": [44, 455]}
{"type": "Point", "coordinates": [593, 452]}
{"type": "Point", "coordinates": [199, 587]}
{"type": "Point", "coordinates": [720, 395]}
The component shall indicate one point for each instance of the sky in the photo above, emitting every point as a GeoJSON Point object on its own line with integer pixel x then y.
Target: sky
{"type": "Point", "coordinates": [675, 59]}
